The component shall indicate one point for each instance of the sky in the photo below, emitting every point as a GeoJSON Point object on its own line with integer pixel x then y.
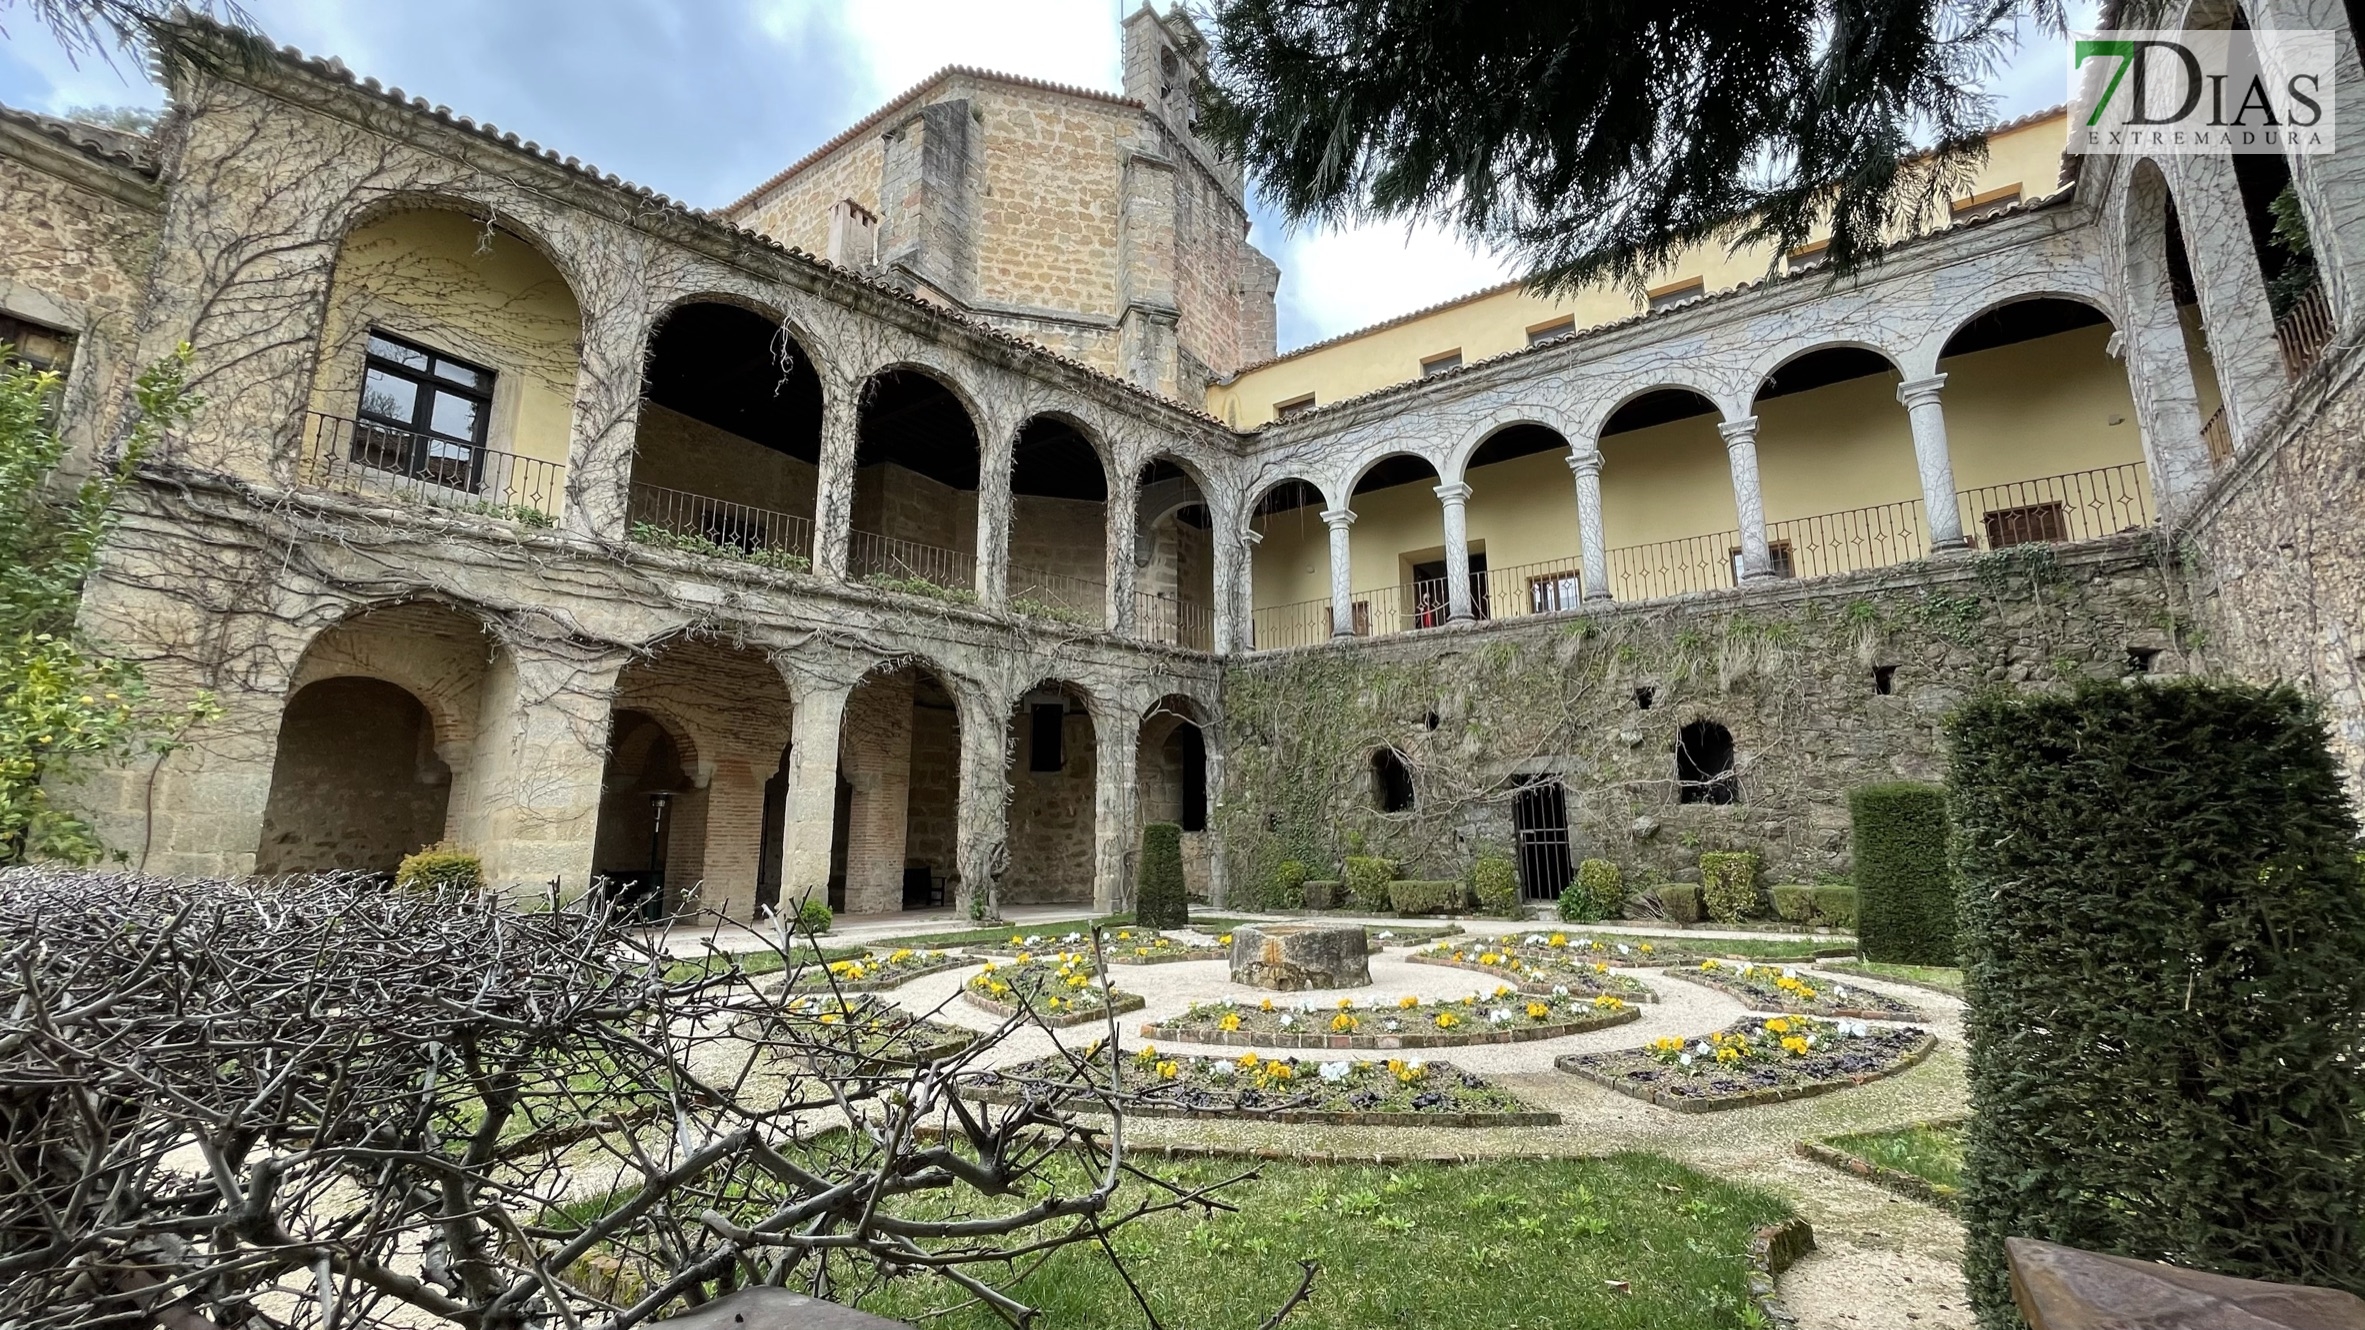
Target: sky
{"type": "Point", "coordinates": [703, 99]}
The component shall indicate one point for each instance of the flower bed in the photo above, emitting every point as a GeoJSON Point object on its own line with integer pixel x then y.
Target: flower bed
{"type": "Point", "coordinates": [1345, 1092]}
{"type": "Point", "coordinates": [1508, 1017]}
{"type": "Point", "coordinates": [858, 1033]}
{"type": "Point", "coordinates": [1056, 991]}
{"type": "Point", "coordinates": [1754, 1062]}
{"type": "Point", "coordinates": [1779, 988]}
{"type": "Point", "coordinates": [1923, 1160]}
{"type": "Point", "coordinates": [1539, 963]}
{"type": "Point", "coordinates": [1123, 947]}
{"type": "Point", "coordinates": [872, 971]}
{"type": "Point", "coordinates": [1397, 935]}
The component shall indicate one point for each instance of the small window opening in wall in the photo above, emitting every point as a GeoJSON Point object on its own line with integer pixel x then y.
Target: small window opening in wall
{"type": "Point", "coordinates": [2139, 659]}
{"type": "Point", "coordinates": [1391, 782]}
{"type": "Point", "coordinates": [1048, 746]}
{"type": "Point", "coordinates": [1642, 698]}
{"type": "Point", "coordinates": [1557, 328]}
{"type": "Point", "coordinates": [34, 344]}
{"type": "Point", "coordinates": [1704, 765]}
{"type": "Point", "coordinates": [1430, 720]}
{"type": "Point", "coordinates": [1675, 293]}
{"type": "Point", "coordinates": [1295, 406]}
{"type": "Point", "coordinates": [1441, 362]}
{"type": "Point", "coordinates": [1884, 679]}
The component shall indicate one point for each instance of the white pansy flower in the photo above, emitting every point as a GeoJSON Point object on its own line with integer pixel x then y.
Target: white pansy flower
{"type": "Point", "coordinates": [1500, 1016]}
{"type": "Point", "coordinates": [1416, 1065]}
{"type": "Point", "coordinates": [1701, 1048]}
{"type": "Point", "coordinates": [1625, 950]}
{"type": "Point", "coordinates": [1535, 939]}
{"type": "Point", "coordinates": [1560, 990]}
{"type": "Point", "coordinates": [1287, 1020]}
{"type": "Point", "coordinates": [1683, 1059]}
{"type": "Point", "coordinates": [1387, 934]}
{"type": "Point", "coordinates": [1394, 1025]}
{"type": "Point", "coordinates": [1220, 1069]}
{"type": "Point", "coordinates": [1337, 1071]}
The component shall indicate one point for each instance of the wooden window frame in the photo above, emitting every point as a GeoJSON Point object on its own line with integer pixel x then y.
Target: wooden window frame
{"type": "Point", "coordinates": [1444, 362]}
{"type": "Point", "coordinates": [1552, 331]}
{"type": "Point", "coordinates": [413, 447]}
{"type": "Point", "coordinates": [1293, 407]}
{"type": "Point", "coordinates": [1661, 297]}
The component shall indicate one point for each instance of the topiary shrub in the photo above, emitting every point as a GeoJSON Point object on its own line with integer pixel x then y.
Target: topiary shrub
{"type": "Point", "coordinates": [1681, 901]}
{"type": "Point", "coordinates": [439, 867]}
{"type": "Point", "coordinates": [1575, 904]}
{"type": "Point", "coordinates": [1322, 893]}
{"type": "Point", "coordinates": [1159, 899]}
{"type": "Point", "coordinates": [1414, 896]}
{"type": "Point", "coordinates": [1905, 890]}
{"type": "Point", "coordinates": [1793, 904]}
{"type": "Point", "coordinates": [1728, 885]}
{"type": "Point", "coordinates": [1288, 888]}
{"type": "Point", "coordinates": [814, 917]}
{"type": "Point", "coordinates": [2162, 929]}
{"type": "Point", "coordinates": [1494, 882]}
{"type": "Point", "coordinates": [1835, 905]}
{"type": "Point", "coordinates": [1367, 880]}
{"type": "Point", "coordinates": [1603, 889]}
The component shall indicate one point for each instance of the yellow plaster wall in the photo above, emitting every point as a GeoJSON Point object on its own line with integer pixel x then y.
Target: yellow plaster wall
{"type": "Point", "coordinates": [442, 280]}
{"type": "Point", "coordinates": [2022, 412]}
{"type": "Point", "coordinates": [1492, 322]}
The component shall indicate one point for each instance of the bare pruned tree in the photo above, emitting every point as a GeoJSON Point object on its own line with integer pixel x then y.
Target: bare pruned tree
{"type": "Point", "coordinates": [313, 1103]}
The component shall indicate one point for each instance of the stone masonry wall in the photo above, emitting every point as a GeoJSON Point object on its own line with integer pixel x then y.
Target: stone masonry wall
{"type": "Point", "coordinates": [1048, 220]}
{"type": "Point", "coordinates": [1789, 670]}
{"type": "Point", "coordinates": [356, 783]}
{"type": "Point", "coordinates": [2278, 558]}
{"type": "Point", "coordinates": [680, 453]}
{"type": "Point", "coordinates": [797, 212]}
{"type": "Point", "coordinates": [1051, 816]}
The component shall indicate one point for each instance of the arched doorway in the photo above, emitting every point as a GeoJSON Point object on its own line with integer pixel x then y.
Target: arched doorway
{"type": "Point", "coordinates": [356, 783]}
{"type": "Point", "coordinates": [1054, 779]}
{"type": "Point", "coordinates": [916, 469]}
{"type": "Point", "coordinates": [896, 839]}
{"type": "Point", "coordinates": [1172, 779]}
{"type": "Point", "coordinates": [642, 792]}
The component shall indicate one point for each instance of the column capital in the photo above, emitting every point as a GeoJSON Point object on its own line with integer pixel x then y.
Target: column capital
{"type": "Point", "coordinates": [1586, 463]}
{"type": "Point", "coordinates": [1920, 392]}
{"type": "Point", "coordinates": [1339, 519]}
{"type": "Point", "coordinates": [1252, 538]}
{"type": "Point", "coordinates": [1738, 432]}
{"type": "Point", "coordinates": [1452, 492]}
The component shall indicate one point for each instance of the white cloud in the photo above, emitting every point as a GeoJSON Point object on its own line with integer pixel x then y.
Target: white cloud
{"type": "Point", "coordinates": [900, 42]}
{"type": "Point", "coordinates": [1341, 278]}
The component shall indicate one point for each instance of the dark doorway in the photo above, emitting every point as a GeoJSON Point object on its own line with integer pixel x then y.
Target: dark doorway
{"type": "Point", "coordinates": [770, 848]}
{"type": "Point", "coordinates": [1194, 776]}
{"type": "Point", "coordinates": [1391, 782]}
{"type": "Point", "coordinates": [841, 821]}
{"type": "Point", "coordinates": [1704, 765]}
{"type": "Point", "coordinates": [1539, 818]}
{"type": "Point", "coordinates": [1431, 604]}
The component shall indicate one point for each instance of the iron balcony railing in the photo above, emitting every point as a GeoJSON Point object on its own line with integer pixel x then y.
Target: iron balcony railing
{"type": "Point", "coordinates": [1047, 595]}
{"type": "Point", "coordinates": [704, 524]}
{"type": "Point", "coordinates": [2305, 329]}
{"type": "Point", "coordinates": [2218, 437]}
{"type": "Point", "coordinates": [2078, 505]}
{"type": "Point", "coordinates": [363, 457]}
{"type": "Point", "coordinates": [1161, 616]}
{"type": "Point", "coordinates": [871, 557]}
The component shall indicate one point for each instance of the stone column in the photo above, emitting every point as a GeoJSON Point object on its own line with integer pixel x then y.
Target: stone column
{"type": "Point", "coordinates": [1226, 552]}
{"type": "Point", "coordinates": [1120, 532]}
{"type": "Point", "coordinates": [1342, 572]}
{"type": "Point", "coordinates": [1586, 467]}
{"type": "Point", "coordinates": [1455, 497]}
{"type": "Point", "coordinates": [997, 441]}
{"type": "Point", "coordinates": [731, 854]}
{"type": "Point", "coordinates": [1219, 877]}
{"type": "Point", "coordinates": [808, 823]}
{"type": "Point", "coordinates": [876, 750]}
{"type": "Point", "coordinates": [1113, 806]}
{"type": "Point", "coordinates": [2236, 320]}
{"type": "Point", "coordinates": [1930, 457]}
{"type": "Point", "coordinates": [1242, 603]}
{"type": "Point", "coordinates": [1740, 448]}
{"type": "Point", "coordinates": [605, 424]}
{"type": "Point", "coordinates": [982, 845]}
{"type": "Point", "coordinates": [542, 751]}
{"type": "Point", "coordinates": [833, 490]}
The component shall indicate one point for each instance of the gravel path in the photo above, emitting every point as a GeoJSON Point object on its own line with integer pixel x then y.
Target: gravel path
{"type": "Point", "coordinates": [1883, 1262]}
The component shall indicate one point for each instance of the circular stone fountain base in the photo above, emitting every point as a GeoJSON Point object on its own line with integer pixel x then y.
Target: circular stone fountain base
{"type": "Point", "coordinates": [1290, 958]}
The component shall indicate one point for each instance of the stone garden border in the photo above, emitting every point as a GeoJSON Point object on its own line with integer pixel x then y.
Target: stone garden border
{"type": "Point", "coordinates": [1848, 968]}
{"type": "Point", "coordinates": [1534, 1117]}
{"type": "Point", "coordinates": [1526, 983]}
{"type": "Point", "coordinates": [1123, 1003]}
{"type": "Point", "coordinates": [1772, 1250]}
{"type": "Point", "coordinates": [1177, 1034]}
{"type": "Point", "coordinates": [1567, 1062]}
{"type": "Point", "coordinates": [1909, 1185]}
{"type": "Point", "coordinates": [897, 980]}
{"type": "Point", "coordinates": [1006, 956]}
{"type": "Point", "coordinates": [1757, 1001]}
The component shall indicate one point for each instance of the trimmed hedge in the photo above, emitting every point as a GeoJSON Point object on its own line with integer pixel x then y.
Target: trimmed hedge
{"type": "Point", "coordinates": [1681, 901]}
{"type": "Point", "coordinates": [1415, 896]}
{"type": "Point", "coordinates": [1322, 893]}
{"type": "Point", "coordinates": [1494, 883]}
{"type": "Point", "coordinates": [1288, 891]}
{"type": "Point", "coordinates": [1793, 904]}
{"type": "Point", "coordinates": [1728, 885]}
{"type": "Point", "coordinates": [2164, 937]}
{"type": "Point", "coordinates": [1159, 898]}
{"type": "Point", "coordinates": [1905, 890]}
{"type": "Point", "coordinates": [1604, 890]}
{"type": "Point", "coordinates": [1835, 905]}
{"type": "Point", "coordinates": [440, 868]}
{"type": "Point", "coordinates": [1367, 880]}
{"type": "Point", "coordinates": [814, 916]}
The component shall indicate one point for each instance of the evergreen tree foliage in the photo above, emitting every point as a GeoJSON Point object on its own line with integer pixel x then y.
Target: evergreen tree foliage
{"type": "Point", "coordinates": [1160, 900]}
{"type": "Point", "coordinates": [1905, 893]}
{"type": "Point", "coordinates": [2164, 943]}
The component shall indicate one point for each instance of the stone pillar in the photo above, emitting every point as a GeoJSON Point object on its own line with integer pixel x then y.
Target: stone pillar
{"type": "Point", "coordinates": [542, 750]}
{"type": "Point", "coordinates": [2236, 320]}
{"type": "Point", "coordinates": [809, 821]}
{"type": "Point", "coordinates": [605, 425]}
{"type": "Point", "coordinates": [2331, 186]}
{"type": "Point", "coordinates": [982, 845]}
{"type": "Point", "coordinates": [833, 489]}
{"type": "Point", "coordinates": [875, 752]}
{"type": "Point", "coordinates": [734, 814]}
{"type": "Point", "coordinates": [1219, 877]}
{"type": "Point", "coordinates": [1586, 467]}
{"type": "Point", "coordinates": [1930, 457]}
{"type": "Point", "coordinates": [997, 444]}
{"type": "Point", "coordinates": [1455, 497]}
{"type": "Point", "coordinates": [1242, 603]}
{"type": "Point", "coordinates": [1342, 572]}
{"type": "Point", "coordinates": [1119, 536]}
{"type": "Point", "coordinates": [1740, 448]}
{"type": "Point", "coordinates": [1230, 557]}
{"type": "Point", "coordinates": [1113, 808]}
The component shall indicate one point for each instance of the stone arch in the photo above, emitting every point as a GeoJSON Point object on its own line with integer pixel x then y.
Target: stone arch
{"type": "Point", "coordinates": [1063, 483]}
{"type": "Point", "coordinates": [1593, 422]}
{"type": "Point", "coordinates": [388, 204]}
{"type": "Point", "coordinates": [1354, 474]}
{"type": "Point", "coordinates": [1766, 368]}
{"type": "Point", "coordinates": [921, 476]}
{"type": "Point", "coordinates": [1176, 553]}
{"type": "Point", "coordinates": [1054, 749]}
{"type": "Point", "coordinates": [1707, 765]}
{"type": "Point", "coordinates": [432, 650]}
{"type": "Point", "coordinates": [2155, 340]}
{"type": "Point", "coordinates": [1948, 322]}
{"type": "Point", "coordinates": [1502, 418]}
{"type": "Point", "coordinates": [897, 840]}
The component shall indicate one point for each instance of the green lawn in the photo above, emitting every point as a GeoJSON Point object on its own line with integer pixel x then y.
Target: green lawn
{"type": "Point", "coordinates": [1580, 1244]}
{"type": "Point", "coordinates": [1933, 1153]}
{"type": "Point", "coordinates": [755, 963]}
{"type": "Point", "coordinates": [1942, 978]}
{"type": "Point", "coordinates": [1753, 948]}
{"type": "Point", "coordinates": [978, 937]}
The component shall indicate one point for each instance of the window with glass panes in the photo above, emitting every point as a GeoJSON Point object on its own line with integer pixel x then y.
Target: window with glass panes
{"type": "Point", "coordinates": [423, 413]}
